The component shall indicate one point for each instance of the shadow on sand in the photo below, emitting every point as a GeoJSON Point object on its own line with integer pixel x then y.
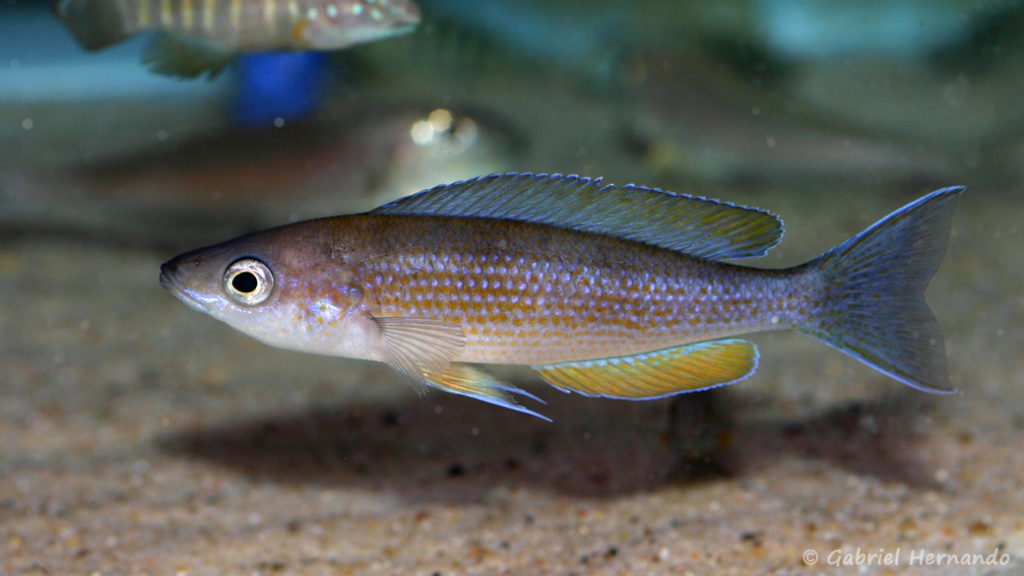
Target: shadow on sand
{"type": "Point", "coordinates": [448, 448]}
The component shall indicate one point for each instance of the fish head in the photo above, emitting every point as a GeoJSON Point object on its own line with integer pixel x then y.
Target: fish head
{"type": "Point", "coordinates": [342, 23]}
{"type": "Point", "coordinates": [291, 287]}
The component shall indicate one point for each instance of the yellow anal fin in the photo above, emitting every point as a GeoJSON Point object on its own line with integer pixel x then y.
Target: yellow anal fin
{"type": "Point", "coordinates": [656, 374]}
{"type": "Point", "coordinates": [468, 381]}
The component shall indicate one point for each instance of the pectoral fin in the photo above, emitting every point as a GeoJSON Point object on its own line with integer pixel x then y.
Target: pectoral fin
{"type": "Point", "coordinates": [417, 346]}
{"type": "Point", "coordinates": [423, 349]}
{"type": "Point", "coordinates": [657, 374]}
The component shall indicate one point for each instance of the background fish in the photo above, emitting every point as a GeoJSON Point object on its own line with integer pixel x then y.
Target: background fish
{"type": "Point", "coordinates": [232, 181]}
{"type": "Point", "coordinates": [203, 35]}
{"type": "Point", "coordinates": [620, 292]}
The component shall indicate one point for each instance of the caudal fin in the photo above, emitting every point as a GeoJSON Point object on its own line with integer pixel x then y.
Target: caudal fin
{"type": "Point", "coordinates": [872, 305]}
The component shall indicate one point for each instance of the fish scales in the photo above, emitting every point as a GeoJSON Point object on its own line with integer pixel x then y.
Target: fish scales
{"type": "Point", "coordinates": [620, 292]}
{"type": "Point", "coordinates": [533, 295]}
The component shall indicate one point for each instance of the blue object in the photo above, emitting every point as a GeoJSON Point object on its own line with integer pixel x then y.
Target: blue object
{"type": "Point", "coordinates": [278, 86]}
{"type": "Point", "coordinates": [832, 29]}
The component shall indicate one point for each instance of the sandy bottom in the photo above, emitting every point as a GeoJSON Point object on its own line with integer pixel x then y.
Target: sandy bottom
{"type": "Point", "coordinates": [137, 437]}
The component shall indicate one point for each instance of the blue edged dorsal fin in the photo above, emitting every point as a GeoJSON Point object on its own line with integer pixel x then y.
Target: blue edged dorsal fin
{"type": "Point", "coordinates": [696, 226]}
{"type": "Point", "coordinates": [657, 374]}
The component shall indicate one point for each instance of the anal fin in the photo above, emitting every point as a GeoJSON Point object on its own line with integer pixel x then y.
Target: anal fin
{"type": "Point", "coordinates": [657, 374]}
{"type": "Point", "coordinates": [173, 55]}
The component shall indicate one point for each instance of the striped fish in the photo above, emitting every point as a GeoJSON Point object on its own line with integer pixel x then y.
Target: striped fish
{"type": "Point", "coordinates": [204, 35]}
{"type": "Point", "coordinates": [620, 292]}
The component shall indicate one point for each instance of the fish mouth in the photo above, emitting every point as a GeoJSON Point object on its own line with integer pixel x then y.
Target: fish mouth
{"type": "Point", "coordinates": [171, 282]}
{"type": "Point", "coordinates": [167, 278]}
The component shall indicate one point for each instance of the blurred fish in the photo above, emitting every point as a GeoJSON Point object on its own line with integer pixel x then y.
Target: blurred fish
{"type": "Point", "coordinates": [619, 292]}
{"type": "Point", "coordinates": [697, 122]}
{"type": "Point", "coordinates": [204, 35]}
{"type": "Point", "coordinates": [878, 29]}
{"type": "Point", "coordinates": [587, 40]}
{"type": "Point", "coordinates": [237, 180]}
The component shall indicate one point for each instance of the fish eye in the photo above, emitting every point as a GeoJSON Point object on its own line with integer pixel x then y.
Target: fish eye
{"type": "Point", "coordinates": [248, 281]}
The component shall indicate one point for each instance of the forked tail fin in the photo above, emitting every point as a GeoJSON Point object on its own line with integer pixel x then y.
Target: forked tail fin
{"type": "Point", "coordinates": [872, 305]}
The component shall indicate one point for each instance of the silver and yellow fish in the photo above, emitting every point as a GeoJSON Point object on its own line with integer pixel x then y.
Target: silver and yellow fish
{"type": "Point", "coordinates": [203, 35]}
{"type": "Point", "coordinates": [620, 292]}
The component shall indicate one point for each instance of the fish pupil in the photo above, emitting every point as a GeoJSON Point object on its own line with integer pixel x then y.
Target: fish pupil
{"type": "Point", "coordinates": [245, 282]}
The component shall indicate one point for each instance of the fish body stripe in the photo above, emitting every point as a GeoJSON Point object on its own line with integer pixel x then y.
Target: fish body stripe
{"type": "Point", "coordinates": [269, 13]}
{"type": "Point", "coordinates": [235, 15]}
{"type": "Point", "coordinates": [143, 17]}
{"type": "Point", "coordinates": [209, 15]}
{"type": "Point", "coordinates": [188, 14]}
{"type": "Point", "coordinates": [166, 15]}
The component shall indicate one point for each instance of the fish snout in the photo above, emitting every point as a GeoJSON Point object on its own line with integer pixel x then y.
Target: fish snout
{"type": "Point", "coordinates": [168, 276]}
{"type": "Point", "coordinates": [178, 278]}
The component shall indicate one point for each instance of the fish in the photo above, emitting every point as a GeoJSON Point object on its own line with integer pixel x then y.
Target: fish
{"type": "Point", "coordinates": [193, 189]}
{"type": "Point", "coordinates": [696, 123]}
{"type": "Point", "coordinates": [624, 292]}
{"type": "Point", "coordinates": [203, 36]}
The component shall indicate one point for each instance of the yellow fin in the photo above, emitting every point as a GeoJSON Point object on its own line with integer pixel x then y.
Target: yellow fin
{"type": "Point", "coordinates": [468, 381]}
{"type": "Point", "coordinates": [423, 350]}
{"type": "Point", "coordinates": [656, 374]}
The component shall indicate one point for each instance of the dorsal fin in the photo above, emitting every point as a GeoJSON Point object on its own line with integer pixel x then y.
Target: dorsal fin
{"type": "Point", "coordinates": [697, 226]}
